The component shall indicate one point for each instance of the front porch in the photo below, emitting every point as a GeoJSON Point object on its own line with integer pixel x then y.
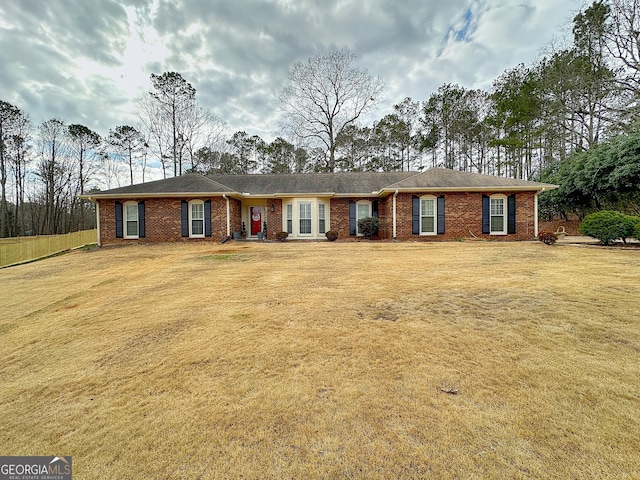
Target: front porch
{"type": "Point", "coordinates": [259, 218]}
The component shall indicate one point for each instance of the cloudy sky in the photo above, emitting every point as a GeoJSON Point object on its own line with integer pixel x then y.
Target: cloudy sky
{"type": "Point", "coordinates": [87, 61]}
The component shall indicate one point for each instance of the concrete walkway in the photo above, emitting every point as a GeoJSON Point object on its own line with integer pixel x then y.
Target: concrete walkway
{"type": "Point", "coordinates": [581, 240]}
{"type": "Point", "coordinates": [569, 239]}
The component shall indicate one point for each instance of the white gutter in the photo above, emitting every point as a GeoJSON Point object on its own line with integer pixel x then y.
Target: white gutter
{"type": "Point", "coordinates": [444, 188]}
{"type": "Point", "coordinates": [228, 215]}
{"type": "Point", "coordinates": [394, 214]}
{"type": "Point", "coordinates": [97, 221]}
{"type": "Point", "coordinates": [93, 200]}
{"type": "Point", "coordinates": [142, 196]}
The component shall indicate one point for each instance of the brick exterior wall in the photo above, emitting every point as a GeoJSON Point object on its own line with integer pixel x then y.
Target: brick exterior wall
{"type": "Point", "coordinates": [274, 219]}
{"type": "Point", "coordinates": [463, 213]}
{"type": "Point", "coordinates": [339, 208]}
{"type": "Point", "coordinates": [385, 217]}
{"type": "Point", "coordinates": [463, 218]}
{"type": "Point", "coordinates": [235, 215]}
{"type": "Point", "coordinates": [163, 220]}
{"type": "Point", "coordinates": [340, 217]}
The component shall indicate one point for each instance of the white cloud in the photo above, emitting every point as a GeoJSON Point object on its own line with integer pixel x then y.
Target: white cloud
{"type": "Point", "coordinates": [88, 62]}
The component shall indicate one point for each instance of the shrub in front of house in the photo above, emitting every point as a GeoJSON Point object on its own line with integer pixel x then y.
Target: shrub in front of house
{"type": "Point", "coordinates": [332, 235]}
{"type": "Point", "coordinates": [548, 238]}
{"type": "Point", "coordinates": [607, 226]}
{"type": "Point", "coordinates": [281, 236]}
{"type": "Point", "coordinates": [634, 228]}
{"type": "Point", "coordinates": [368, 226]}
{"type": "Point", "coordinates": [629, 229]}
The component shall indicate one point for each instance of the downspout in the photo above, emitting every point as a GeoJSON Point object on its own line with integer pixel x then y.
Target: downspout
{"type": "Point", "coordinates": [395, 195]}
{"type": "Point", "coordinates": [97, 220]}
{"type": "Point", "coordinates": [228, 215]}
{"type": "Point", "coordinates": [98, 223]}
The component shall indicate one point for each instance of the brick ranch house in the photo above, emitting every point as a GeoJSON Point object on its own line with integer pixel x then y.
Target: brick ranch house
{"type": "Point", "coordinates": [438, 204]}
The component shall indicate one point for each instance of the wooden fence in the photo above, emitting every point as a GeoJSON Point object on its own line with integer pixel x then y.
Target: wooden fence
{"type": "Point", "coordinates": [22, 249]}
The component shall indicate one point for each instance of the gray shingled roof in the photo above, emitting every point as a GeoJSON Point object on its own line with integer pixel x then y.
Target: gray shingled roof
{"type": "Point", "coordinates": [188, 183]}
{"type": "Point", "coordinates": [355, 183]}
{"type": "Point", "coordinates": [308, 183]}
{"type": "Point", "coordinates": [443, 179]}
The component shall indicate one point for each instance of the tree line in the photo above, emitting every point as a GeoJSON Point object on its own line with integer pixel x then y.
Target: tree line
{"type": "Point", "coordinates": [45, 168]}
{"type": "Point", "coordinates": [540, 122]}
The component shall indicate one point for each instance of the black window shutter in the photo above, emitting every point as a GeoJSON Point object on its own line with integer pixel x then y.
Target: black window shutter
{"type": "Point", "coordinates": [486, 210]}
{"type": "Point", "coordinates": [184, 210]}
{"type": "Point", "coordinates": [207, 218]}
{"type": "Point", "coordinates": [511, 214]}
{"type": "Point", "coordinates": [119, 230]}
{"type": "Point", "coordinates": [415, 215]}
{"type": "Point", "coordinates": [141, 223]}
{"type": "Point", "coordinates": [374, 208]}
{"type": "Point", "coordinates": [441, 215]}
{"type": "Point", "coordinates": [352, 217]}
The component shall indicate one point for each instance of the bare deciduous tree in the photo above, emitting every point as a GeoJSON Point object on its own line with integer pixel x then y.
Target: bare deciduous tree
{"type": "Point", "coordinates": [202, 129]}
{"type": "Point", "coordinates": [156, 130]}
{"type": "Point", "coordinates": [84, 144]}
{"type": "Point", "coordinates": [55, 173]}
{"type": "Point", "coordinates": [324, 95]}
{"type": "Point", "coordinates": [623, 41]}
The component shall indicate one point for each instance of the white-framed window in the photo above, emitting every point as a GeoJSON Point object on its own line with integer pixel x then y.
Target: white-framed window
{"type": "Point", "coordinates": [196, 219]}
{"type": "Point", "coordinates": [305, 218]}
{"type": "Point", "coordinates": [498, 215]}
{"type": "Point", "coordinates": [131, 220]}
{"type": "Point", "coordinates": [289, 208]}
{"type": "Point", "coordinates": [363, 210]}
{"type": "Point", "coordinates": [428, 215]}
{"type": "Point", "coordinates": [322, 218]}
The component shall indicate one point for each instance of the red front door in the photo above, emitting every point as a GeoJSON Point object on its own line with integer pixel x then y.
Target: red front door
{"type": "Point", "coordinates": [256, 220]}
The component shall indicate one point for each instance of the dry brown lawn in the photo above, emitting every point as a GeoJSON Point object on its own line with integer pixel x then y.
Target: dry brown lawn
{"type": "Point", "coordinates": [325, 360]}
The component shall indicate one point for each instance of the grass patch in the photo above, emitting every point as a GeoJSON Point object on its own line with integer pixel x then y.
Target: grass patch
{"type": "Point", "coordinates": [325, 360]}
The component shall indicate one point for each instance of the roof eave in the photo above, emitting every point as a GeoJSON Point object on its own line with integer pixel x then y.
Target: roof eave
{"type": "Point", "coordinates": [383, 192]}
{"type": "Point", "coordinates": [113, 196]}
{"type": "Point", "coordinates": [303, 194]}
{"type": "Point", "coordinates": [537, 188]}
{"type": "Point", "coordinates": [310, 195]}
{"type": "Point", "coordinates": [360, 194]}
